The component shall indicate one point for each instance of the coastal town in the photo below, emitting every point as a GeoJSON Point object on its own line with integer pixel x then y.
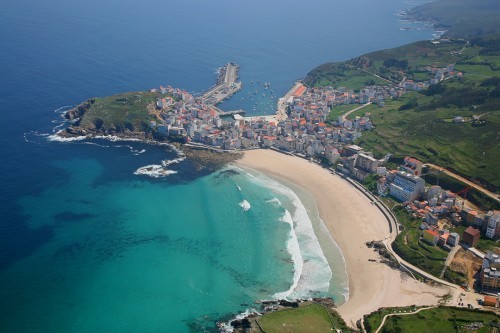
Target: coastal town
{"type": "Point", "coordinates": [437, 233]}
{"type": "Point", "coordinates": [250, 167]}
{"type": "Point", "coordinates": [301, 127]}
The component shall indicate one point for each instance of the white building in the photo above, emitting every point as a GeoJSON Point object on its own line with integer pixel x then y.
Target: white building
{"type": "Point", "coordinates": [406, 187]}
{"type": "Point", "coordinates": [493, 228]}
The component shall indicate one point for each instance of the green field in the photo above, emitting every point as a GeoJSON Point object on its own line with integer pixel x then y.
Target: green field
{"type": "Point", "coordinates": [479, 71]}
{"type": "Point", "coordinates": [390, 64]}
{"type": "Point", "coordinates": [339, 110]}
{"type": "Point", "coordinates": [122, 111]}
{"type": "Point", "coordinates": [472, 151]}
{"type": "Point", "coordinates": [420, 124]}
{"type": "Point", "coordinates": [305, 319]}
{"type": "Point", "coordinates": [436, 320]}
{"type": "Point", "coordinates": [341, 75]}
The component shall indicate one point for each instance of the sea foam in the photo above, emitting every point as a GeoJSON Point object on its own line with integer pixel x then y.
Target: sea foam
{"type": "Point", "coordinates": [166, 163]}
{"type": "Point", "coordinates": [293, 248]}
{"type": "Point", "coordinates": [274, 200]}
{"type": "Point", "coordinates": [154, 170]}
{"type": "Point", "coordinates": [57, 138]}
{"type": "Point", "coordinates": [312, 273]}
{"type": "Point", "coordinates": [245, 205]}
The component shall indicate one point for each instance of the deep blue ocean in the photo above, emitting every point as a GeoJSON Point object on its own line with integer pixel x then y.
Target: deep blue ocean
{"type": "Point", "coordinates": [88, 246]}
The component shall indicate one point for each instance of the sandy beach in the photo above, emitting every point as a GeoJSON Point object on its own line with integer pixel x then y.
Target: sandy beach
{"type": "Point", "coordinates": [352, 221]}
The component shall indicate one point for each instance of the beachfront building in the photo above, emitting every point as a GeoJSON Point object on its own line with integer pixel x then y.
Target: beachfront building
{"type": "Point", "coordinates": [490, 273]}
{"type": "Point", "coordinates": [366, 162]}
{"type": "Point", "coordinates": [406, 187]}
{"type": "Point", "coordinates": [352, 150]}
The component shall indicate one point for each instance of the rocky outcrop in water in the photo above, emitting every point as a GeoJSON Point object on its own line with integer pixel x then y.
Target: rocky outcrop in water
{"type": "Point", "coordinates": [77, 113]}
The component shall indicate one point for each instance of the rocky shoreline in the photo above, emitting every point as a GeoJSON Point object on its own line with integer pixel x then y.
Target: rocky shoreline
{"type": "Point", "coordinates": [77, 129]}
{"type": "Point", "coordinates": [201, 157]}
{"type": "Point", "coordinates": [248, 323]}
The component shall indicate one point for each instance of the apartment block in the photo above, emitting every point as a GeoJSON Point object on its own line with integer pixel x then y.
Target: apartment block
{"type": "Point", "coordinates": [490, 273]}
{"type": "Point", "coordinates": [406, 187]}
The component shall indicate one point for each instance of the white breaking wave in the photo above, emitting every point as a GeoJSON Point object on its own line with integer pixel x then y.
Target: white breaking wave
{"type": "Point", "coordinates": [57, 138]}
{"type": "Point", "coordinates": [245, 205]}
{"type": "Point", "coordinates": [154, 170]}
{"type": "Point", "coordinates": [115, 138]}
{"type": "Point", "coordinates": [274, 200]}
{"type": "Point", "coordinates": [132, 150]}
{"type": "Point", "coordinates": [63, 109]}
{"type": "Point", "coordinates": [312, 272]}
{"type": "Point", "coordinates": [56, 128]}
{"type": "Point", "coordinates": [239, 188]}
{"type": "Point", "coordinates": [94, 144]}
{"type": "Point", "coordinates": [166, 163]}
{"type": "Point", "coordinates": [227, 328]}
{"type": "Point", "coordinates": [28, 136]}
{"type": "Point", "coordinates": [293, 248]}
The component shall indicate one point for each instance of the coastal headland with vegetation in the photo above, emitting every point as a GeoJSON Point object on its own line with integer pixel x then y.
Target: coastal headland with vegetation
{"type": "Point", "coordinates": [420, 107]}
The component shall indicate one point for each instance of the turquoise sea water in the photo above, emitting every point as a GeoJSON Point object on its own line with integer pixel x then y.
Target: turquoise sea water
{"type": "Point", "coordinates": [87, 245]}
{"type": "Point", "coordinates": [138, 256]}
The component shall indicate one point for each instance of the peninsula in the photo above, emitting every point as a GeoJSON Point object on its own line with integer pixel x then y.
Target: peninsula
{"type": "Point", "coordinates": [161, 113]}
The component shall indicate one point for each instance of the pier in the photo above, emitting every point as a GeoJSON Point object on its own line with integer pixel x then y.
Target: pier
{"type": "Point", "coordinates": [226, 86]}
{"type": "Point", "coordinates": [297, 90]}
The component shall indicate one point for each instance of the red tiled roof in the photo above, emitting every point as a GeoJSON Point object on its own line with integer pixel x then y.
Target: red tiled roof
{"type": "Point", "coordinates": [432, 232]}
{"type": "Point", "coordinates": [472, 231]}
{"type": "Point", "coordinates": [299, 91]}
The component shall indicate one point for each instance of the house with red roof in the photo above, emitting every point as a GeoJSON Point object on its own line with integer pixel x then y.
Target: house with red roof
{"type": "Point", "coordinates": [430, 236]}
{"type": "Point", "coordinates": [471, 236]}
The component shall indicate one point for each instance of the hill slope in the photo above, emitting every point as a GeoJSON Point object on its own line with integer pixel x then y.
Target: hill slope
{"type": "Point", "coordinates": [482, 16]}
{"type": "Point", "coordinates": [424, 124]}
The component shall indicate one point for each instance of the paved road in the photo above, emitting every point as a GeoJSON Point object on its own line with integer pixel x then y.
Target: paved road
{"type": "Point", "coordinates": [231, 75]}
{"type": "Point", "coordinates": [281, 107]}
{"type": "Point", "coordinates": [466, 181]}
{"type": "Point", "coordinates": [226, 88]}
{"type": "Point", "coordinates": [401, 314]}
{"type": "Point", "coordinates": [344, 116]}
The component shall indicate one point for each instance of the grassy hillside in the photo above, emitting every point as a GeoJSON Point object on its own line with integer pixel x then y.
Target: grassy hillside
{"type": "Point", "coordinates": [119, 112]}
{"type": "Point", "coordinates": [461, 17]}
{"type": "Point", "coordinates": [409, 246]}
{"type": "Point", "coordinates": [421, 123]}
{"type": "Point", "coordinates": [432, 137]}
{"type": "Point", "coordinates": [306, 318]}
{"type": "Point", "coordinates": [479, 57]}
{"type": "Point", "coordinates": [436, 320]}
